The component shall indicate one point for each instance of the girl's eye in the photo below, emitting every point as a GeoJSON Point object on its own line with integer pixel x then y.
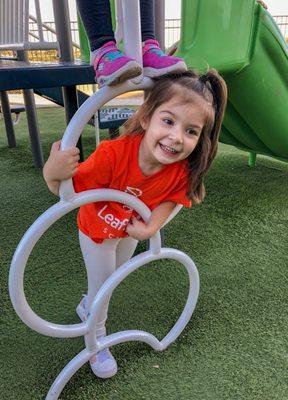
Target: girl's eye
{"type": "Point", "coordinates": [192, 132]}
{"type": "Point", "coordinates": [168, 121]}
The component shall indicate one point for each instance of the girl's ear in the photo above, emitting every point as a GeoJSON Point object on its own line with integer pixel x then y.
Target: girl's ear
{"type": "Point", "coordinates": [144, 123]}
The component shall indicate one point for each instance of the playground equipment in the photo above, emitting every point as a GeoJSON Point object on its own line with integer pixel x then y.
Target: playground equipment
{"type": "Point", "coordinates": [69, 200]}
{"type": "Point", "coordinates": [14, 110]}
{"type": "Point", "coordinates": [243, 42]}
{"type": "Point", "coordinates": [14, 33]}
{"type": "Point", "coordinates": [21, 74]}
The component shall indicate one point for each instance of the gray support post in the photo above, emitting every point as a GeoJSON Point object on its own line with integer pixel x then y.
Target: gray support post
{"type": "Point", "coordinates": [32, 120]}
{"type": "Point", "coordinates": [62, 24]}
{"type": "Point", "coordinates": [5, 107]}
{"type": "Point", "coordinates": [159, 10]}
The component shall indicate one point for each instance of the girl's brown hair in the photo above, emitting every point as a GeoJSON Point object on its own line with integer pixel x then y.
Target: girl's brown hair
{"type": "Point", "coordinates": [212, 89]}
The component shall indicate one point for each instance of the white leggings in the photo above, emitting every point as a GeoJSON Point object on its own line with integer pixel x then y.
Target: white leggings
{"type": "Point", "coordinates": [101, 260]}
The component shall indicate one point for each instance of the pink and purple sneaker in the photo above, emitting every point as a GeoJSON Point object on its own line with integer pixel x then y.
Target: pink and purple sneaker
{"type": "Point", "coordinates": [157, 63]}
{"type": "Point", "coordinates": [113, 67]}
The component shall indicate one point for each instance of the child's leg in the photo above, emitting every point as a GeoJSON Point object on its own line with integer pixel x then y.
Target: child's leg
{"type": "Point", "coordinates": [155, 61]}
{"type": "Point", "coordinates": [125, 250]}
{"type": "Point", "coordinates": [147, 19]}
{"type": "Point", "coordinates": [110, 65]}
{"type": "Point", "coordinates": [96, 17]}
{"type": "Point", "coordinates": [109, 255]}
{"type": "Point", "coordinates": [100, 262]}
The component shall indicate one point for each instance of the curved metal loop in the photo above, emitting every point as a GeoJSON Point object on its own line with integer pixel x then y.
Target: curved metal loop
{"type": "Point", "coordinates": [31, 237]}
{"type": "Point", "coordinates": [84, 114]}
{"type": "Point", "coordinates": [127, 268]}
{"type": "Point", "coordinates": [93, 346]}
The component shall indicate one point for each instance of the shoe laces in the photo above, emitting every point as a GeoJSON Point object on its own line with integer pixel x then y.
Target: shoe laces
{"type": "Point", "coordinates": [103, 355]}
{"type": "Point", "coordinates": [152, 46]}
{"type": "Point", "coordinates": [112, 56]}
{"type": "Point", "coordinates": [108, 48]}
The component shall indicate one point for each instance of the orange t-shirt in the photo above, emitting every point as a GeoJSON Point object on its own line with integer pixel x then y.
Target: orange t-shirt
{"type": "Point", "coordinates": [114, 165]}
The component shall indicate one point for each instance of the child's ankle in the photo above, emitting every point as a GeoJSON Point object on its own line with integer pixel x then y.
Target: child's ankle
{"type": "Point", "coordinates": [150, 42]}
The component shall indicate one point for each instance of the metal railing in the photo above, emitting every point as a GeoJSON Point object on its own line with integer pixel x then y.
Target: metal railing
{"type": "Point", "coordinates": [49, 34]}
{"type": "Point", "coordinates": [282, 22]}
{"type": "Point", "coordinates": [14, 27]}
{"type": "Point", "coordinates": [172, 31]}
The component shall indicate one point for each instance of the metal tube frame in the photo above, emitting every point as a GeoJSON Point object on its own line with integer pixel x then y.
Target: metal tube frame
{"type": "Point", "coordinates": [5, 107]}
{"type": "Point", "coordinates": [62, 24]}
{"type": "Point", "coordinates": [69, 200]}
{"type": "Point", "coordinates": [32, 119]}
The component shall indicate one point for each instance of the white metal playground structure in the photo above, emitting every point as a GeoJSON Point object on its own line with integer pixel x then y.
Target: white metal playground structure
{"type": "Point", "coordinates": [69, 200]}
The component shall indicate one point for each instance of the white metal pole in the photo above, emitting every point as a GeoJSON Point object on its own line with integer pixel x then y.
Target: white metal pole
{"type": "Point", "coordinates": [96, 122]}
{"type": "Point", "coordinates": [119, 21]}
{"type": "Point", "coordinates": [132, 30]}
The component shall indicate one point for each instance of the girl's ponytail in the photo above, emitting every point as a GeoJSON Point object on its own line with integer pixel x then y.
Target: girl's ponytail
{"type": "Point", "coordinates": [218, 88]}
{"type": "Point", "coordinates": [212, 88]}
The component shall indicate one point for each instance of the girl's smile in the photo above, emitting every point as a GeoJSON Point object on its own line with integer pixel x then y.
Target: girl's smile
{"type": "Point", "coordinates": [172, 133]}
{"type": "Point", "coordinates": [169, 151]}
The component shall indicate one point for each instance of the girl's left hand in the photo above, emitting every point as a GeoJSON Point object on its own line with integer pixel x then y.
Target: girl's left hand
{"type": "Point", "coordinates": [138, 230]}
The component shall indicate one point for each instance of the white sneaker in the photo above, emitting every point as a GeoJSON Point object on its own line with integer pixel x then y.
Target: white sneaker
{"type": "Point", "coordinates": [103, 364]}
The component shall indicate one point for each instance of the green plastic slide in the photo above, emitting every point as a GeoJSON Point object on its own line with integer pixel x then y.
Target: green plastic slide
{"type": "Point", "coordinates": [241, 40]}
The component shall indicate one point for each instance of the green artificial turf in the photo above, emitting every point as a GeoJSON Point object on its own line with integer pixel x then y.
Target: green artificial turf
{"type": "Point", "coordinates": [236, 344]}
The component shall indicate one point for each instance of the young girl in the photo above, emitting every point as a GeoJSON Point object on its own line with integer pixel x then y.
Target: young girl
{"type": "Point", "coordinates": [110, 65]}
{"type": "Point", "coordinates": [162, 158]}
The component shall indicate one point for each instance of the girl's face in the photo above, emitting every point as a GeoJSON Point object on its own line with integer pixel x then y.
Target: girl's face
{"type": "Point", "coordinates": [173, 132]}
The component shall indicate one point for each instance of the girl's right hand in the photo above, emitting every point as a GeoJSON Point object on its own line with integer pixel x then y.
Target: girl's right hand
{"type": "Point", "coordinates": [61, 164]}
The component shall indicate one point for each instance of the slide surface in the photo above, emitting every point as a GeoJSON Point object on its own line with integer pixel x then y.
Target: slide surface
{"type": "Point", "coordinates": [242, 41]}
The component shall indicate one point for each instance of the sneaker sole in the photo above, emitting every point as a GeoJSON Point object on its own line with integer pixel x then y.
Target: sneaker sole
{"type": "Point", "coordinates": [154, 72]}
{"type": "Point", "coordinates": [106, 375]}
{"type": "Point", "coordinates": [128, 71]}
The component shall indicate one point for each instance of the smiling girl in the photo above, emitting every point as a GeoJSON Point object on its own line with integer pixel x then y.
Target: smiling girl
{"type": "Point", "coordinates": [162, 158]}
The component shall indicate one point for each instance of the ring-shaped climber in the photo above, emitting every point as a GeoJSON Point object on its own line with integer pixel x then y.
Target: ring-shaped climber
{"type": "Point", "coordinates": [70, 200]}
